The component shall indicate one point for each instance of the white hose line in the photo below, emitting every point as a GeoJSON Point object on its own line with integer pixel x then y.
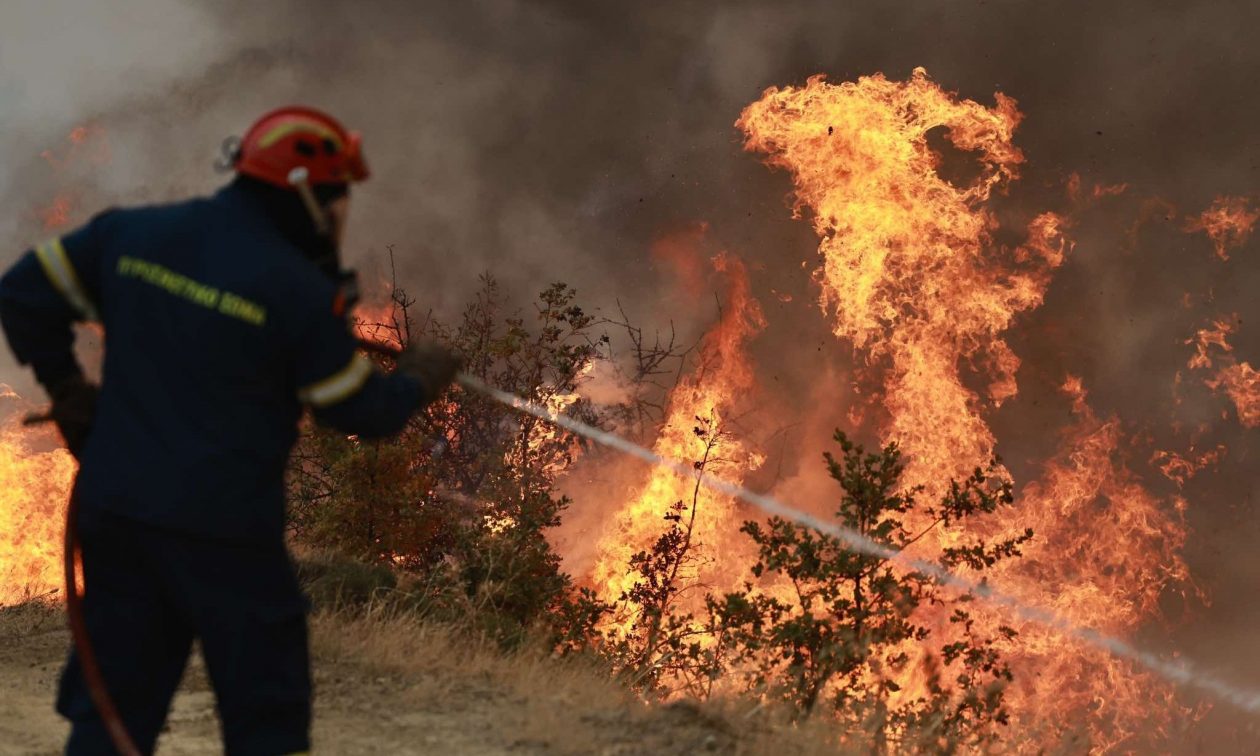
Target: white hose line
{"type": "Point", "coordinates": [1180, 671]}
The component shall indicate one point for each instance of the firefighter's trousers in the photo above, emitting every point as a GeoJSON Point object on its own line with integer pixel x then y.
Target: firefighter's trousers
{"type": "Point", "coordinates": [148, 594]}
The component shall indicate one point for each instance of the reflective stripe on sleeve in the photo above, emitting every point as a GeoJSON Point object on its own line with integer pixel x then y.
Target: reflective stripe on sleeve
{"type": "Point", "coordinates": [340, 385]}
{"type": "Point", "coordinates": [56, 265]}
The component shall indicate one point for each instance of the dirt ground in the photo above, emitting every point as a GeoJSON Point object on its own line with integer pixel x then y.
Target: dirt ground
{"type": "Point", "coordinates": [398, 687]}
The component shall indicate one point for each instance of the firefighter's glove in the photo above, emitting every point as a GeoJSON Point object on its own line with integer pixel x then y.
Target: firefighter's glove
{"type": "Point", "coordinates": [74, 410]}
{"type": "Point", "coordinates": [430, 364]}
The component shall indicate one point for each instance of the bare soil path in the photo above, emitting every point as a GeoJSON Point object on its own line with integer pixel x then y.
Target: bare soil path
{"type": "Point", "coordinates": [395, 689]}
{"type": "Point", "coordinates": [357, 712]}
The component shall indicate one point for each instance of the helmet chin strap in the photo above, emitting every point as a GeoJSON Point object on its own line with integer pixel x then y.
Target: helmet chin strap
{"type": "Point", "coordinates": [299, 179]}
{"type": "Point", "coordinates": [347, 280]}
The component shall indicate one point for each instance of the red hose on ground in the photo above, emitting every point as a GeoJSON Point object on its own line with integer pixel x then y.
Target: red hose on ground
{"type": "Point", "coordinates": [83, 646]}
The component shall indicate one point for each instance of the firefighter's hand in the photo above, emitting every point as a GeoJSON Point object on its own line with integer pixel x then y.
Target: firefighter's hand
{"type": "Point", "coordinates": [74, 410]}
{"type": "Point", "coordinates": [431, 364]}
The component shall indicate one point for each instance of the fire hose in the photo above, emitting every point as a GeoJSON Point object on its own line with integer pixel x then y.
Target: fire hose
{"type": "Point", "coordinates": [1181, 671]}
{"type": "Point", "coordinates": [89, 667]}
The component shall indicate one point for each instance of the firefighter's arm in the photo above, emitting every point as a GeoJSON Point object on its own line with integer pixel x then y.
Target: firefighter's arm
{"type": "Point", "coordinates": [361, 400]}
{"type": "Point", "coordinates": [43, 294]}
{"type": "Point", "coordinates": [344, 389]}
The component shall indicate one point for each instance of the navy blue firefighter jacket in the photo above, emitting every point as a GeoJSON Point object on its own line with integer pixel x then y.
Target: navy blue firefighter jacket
{"type": "Point", "coordinates": [218, 330]}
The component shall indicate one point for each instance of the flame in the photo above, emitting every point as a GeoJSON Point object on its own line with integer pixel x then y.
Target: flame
{"type": "Point", "coordinates": [1217, 335]}
{"type": "Point", "coordinates": [1100, 191]}
{"type": "Point", "coordinates": [543, 436]}
{"type": "Point", "coordinates": [35, 475]}
{"type": "Point", "coordinates": [1109, 190]}
{"type": "Point", "coordinates": [908, 274]}
{"type": "Point", "coordinates": [1113, 585]}
{"type": "Point", "coordinates": [913, 280]}
{"type": "Point", "coordinates": [377, 323]}
{"type": "Point", "coordinates": [1239, 381]}
{"type": "Point", "coordinates": [34, 486]}
{"type": "Point", "coordinates": [1180, 468]}
{"type": "Point", "coordinates": [86, 145]}
{"type": "Point", "coordinates": [1227, 222]}
{"type": "Point", "coordinates": [707, 397]}
{"type": "Point", "coordinates": [57, 214]}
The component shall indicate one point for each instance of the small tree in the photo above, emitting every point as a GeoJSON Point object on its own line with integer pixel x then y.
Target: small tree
{"type": "Point", "coordinates": [664, 648]}
{"type": "Point", "coordinates": [832, 628]}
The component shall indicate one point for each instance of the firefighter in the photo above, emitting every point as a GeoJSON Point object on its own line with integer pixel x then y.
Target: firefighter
{"type": "Point", "coordinates": [223, 317]}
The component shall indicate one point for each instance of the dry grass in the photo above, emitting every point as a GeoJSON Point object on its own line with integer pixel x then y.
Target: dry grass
{"type": "Point", "coordinates": [393, 683]}
{"type": "Point", "coordinates": [533, 703]}
{"type": "Point", "coordinates": [22, 620]}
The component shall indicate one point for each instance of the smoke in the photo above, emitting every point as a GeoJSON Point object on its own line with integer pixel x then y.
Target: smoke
{"type": "Point", "coordinates": [558, 140]}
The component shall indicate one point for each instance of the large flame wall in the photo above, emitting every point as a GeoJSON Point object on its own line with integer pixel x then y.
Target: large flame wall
{"type": "Point", "coordinates": [913, 279]}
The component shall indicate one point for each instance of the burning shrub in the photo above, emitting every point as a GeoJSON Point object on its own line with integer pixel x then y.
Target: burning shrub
{"type": "Point", "coordinates": [832, 626]}
{"type": "Point", "coordinates": [460, 500]}
{"type": "Point", "coordinates": [649, 635]}
{"type": "Point", "coordinates": [460, 503]}
{"type": "Point", "coordinates": [828, 628]}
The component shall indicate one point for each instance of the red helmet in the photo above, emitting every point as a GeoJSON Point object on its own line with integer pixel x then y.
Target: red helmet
{"type": "Point", "coordinates": [298, 137]}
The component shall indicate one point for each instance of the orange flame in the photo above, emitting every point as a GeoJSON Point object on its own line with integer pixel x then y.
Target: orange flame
{"type": "Point", "coordinates": [377, 323]}
{"type": "Point", "coordinates": [1227, 222]}
{"type": "Point", "coordinates": [86, 145]}
{"type": "Point", "coordinates": [1206, 338]}
{"type": "Point", "coordinates": [34, 486]}
{"type": "Point", "coordinates": [1239, 381]}
{"type": "Point", "coordinates": [1109, 190]}
{"type": "Point", "coordinates": [57, 214]}
{"type": "Point", "coordinates": [708, 396]}
{"type": "Point", "coordinates": [1180, 468]}
{"type": "Point", "coordinates": [1112, 584]}
{"type": "Point", "coordinates": [912, 279]}
{"type": "Point", "coordinates": [908, 274]}
{"type": "Point", "coordinates": [34, 482]}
